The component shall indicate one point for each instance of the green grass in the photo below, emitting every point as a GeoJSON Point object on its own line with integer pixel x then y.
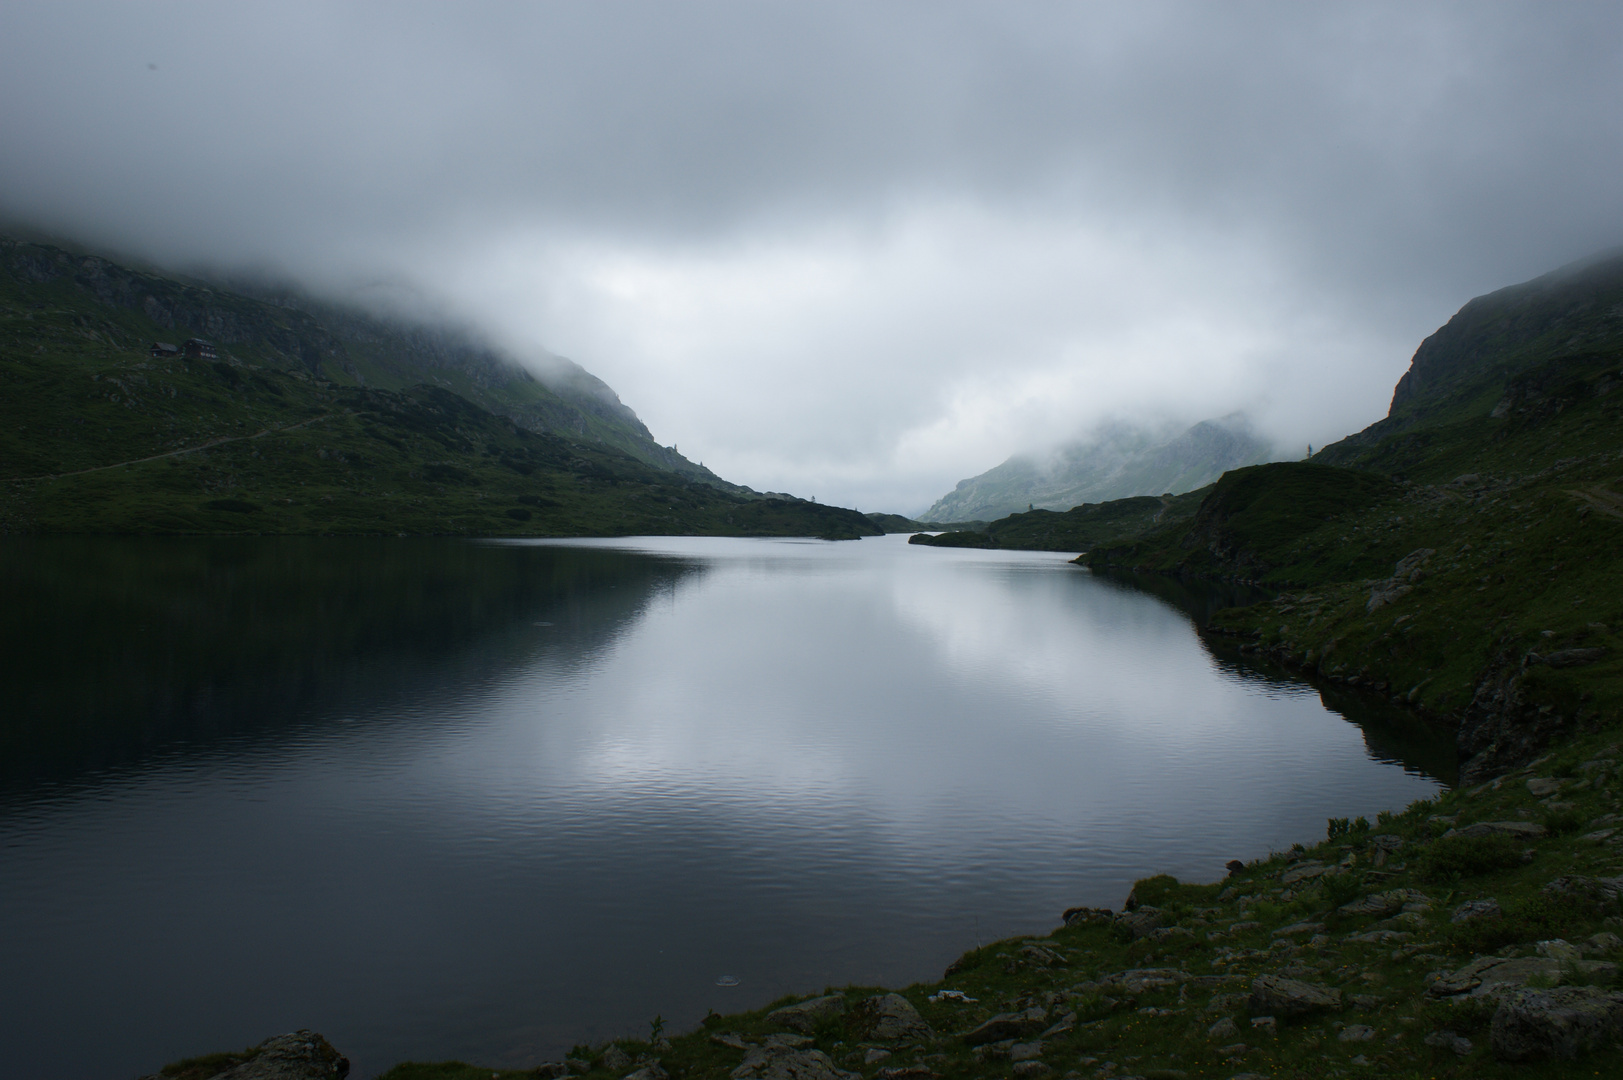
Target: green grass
{"type": "Point", "coordinates": [97, 437]}
{"type": "Point", "coordinates": [1080, 528]}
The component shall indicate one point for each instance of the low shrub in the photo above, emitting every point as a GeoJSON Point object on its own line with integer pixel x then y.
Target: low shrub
{"type": "Point", "coordinates": [1537, 918]}
{"type": "Point", "coordinates": [1342, 829]}
{"type": "Point", "coordinates": [1468, 856]}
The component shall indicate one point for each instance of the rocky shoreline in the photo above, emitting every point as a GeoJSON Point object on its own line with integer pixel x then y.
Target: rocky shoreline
{"type": "Point", "coordinates": [1477, 934]}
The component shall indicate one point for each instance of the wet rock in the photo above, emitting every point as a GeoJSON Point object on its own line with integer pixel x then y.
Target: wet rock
{"type": "Point", "coordinates": [1279, 996]}
{"type": "Point", "coordinates": [617, 1060]}
{"type": "Point", "coordinates": [1477, 909]}
{"type": "Point", "coordinates": [781, 1063]}
{"type": "Point", "coordinates": [888, 1018]}
{"type": "Point", "coordinates": [1356, 1033]}
{"type": "Point", "coordinates": [805, 1016]}
{"type": "Point", "coordinates": [1560, 1023]}
{"type": "Point", "coordinates": [1447, 1040]}
{"type": "Point", "coordinates": [1225, 1028]}
{"type": "Point", "coordinates": [1008, 1026]}
{"type": "Point", "coordinates": [298, 1055]}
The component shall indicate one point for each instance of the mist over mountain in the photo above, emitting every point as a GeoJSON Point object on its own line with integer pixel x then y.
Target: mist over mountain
{"type": "Point", "coordinates": [1118, 461]}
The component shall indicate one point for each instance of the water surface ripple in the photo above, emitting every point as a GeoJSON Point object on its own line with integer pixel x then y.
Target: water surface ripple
{"type": "Point", "coordinates": [487, 800]}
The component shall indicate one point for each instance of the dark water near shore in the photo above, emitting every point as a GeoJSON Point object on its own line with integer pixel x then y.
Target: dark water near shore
{"type": "Point", "coordinates": [482, 800]}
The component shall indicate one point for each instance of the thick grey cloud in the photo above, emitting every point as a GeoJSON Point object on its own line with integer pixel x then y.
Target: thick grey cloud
{"type": "Point", "coordinates": [859, 250]}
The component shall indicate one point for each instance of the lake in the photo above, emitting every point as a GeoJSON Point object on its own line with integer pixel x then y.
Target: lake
{"type": "Point", "coordinates": [487, 800]}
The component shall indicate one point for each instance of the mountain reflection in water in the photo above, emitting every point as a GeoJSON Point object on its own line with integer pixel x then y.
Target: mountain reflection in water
{"type": "Point", "coordinates": [487, 800]}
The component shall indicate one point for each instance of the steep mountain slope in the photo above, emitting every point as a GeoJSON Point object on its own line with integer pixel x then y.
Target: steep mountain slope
{"type": "Point", "coordinates": [347, 346]}
{"type": "Point", "coordinates": [1464, 554]}
{"type": "Point", "coordinates": [97, 434]}
{"type": "Point", "coordinates": [1500, 354]}
{"type": "Point", "coordinates": [1118, 463]}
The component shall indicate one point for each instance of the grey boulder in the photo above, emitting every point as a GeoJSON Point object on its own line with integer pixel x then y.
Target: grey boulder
{"type": "Point", "coordinates": [1008, 1026]}
{"type": "Point", "coordinates": [1477, 909]}
{"type": "Point", "coordinates": [1386, 903]}
{"type": "Point", "coordinates": [888, 1018]}
{"type": "Point", "coordinates": [1560, 1023]}
{"type": "Point", "coordinates": [649, 1072]}
{"type": "Point", "coordinates": [298, 1055]}
{"type": "Point", "coordinates": [1140, 923]}
{"type": "Point", "coordinates": [1522, 830]}
{"type": "Point", "coordinates": [782, 1063]}
{"type": "Point", "coordinates": [805, 1016]}
{"type": "Point", "coordinates": [1275, 995]}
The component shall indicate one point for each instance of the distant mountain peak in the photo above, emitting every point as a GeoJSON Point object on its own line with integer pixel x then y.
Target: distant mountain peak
{"type": "Point", "coordinates": [1119, 460]}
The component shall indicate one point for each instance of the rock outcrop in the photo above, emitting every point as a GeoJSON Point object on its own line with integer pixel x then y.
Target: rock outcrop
{"type": "Point", "coordinates": [1559, 1023]}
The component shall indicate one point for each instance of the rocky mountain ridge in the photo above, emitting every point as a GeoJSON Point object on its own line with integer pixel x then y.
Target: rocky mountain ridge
{"type": "Point", "coordinates": [1119, 461]}
{"type": "Point", "coordinates": [292, 331]}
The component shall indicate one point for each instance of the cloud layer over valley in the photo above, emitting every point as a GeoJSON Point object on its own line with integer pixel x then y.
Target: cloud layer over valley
{"type": "Point", "coordinates": [851, 250]}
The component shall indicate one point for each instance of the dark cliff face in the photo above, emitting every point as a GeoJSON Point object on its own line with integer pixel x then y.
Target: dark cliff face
{"type": "Point", "coordinates": [1472, 366]}
{"type": "Point", "coordinates": [1576, 309]}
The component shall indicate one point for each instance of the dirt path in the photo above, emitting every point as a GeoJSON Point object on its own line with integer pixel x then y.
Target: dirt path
{"type": "Point", "coordinates": [174, 453]}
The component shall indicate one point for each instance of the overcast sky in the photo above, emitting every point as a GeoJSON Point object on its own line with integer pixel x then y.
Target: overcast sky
{"type": "Point", "coordinates": [857, 251]}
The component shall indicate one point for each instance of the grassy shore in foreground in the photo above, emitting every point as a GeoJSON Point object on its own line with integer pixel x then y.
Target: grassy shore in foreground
{"type": "Point", "coordinates": [1442, 941]}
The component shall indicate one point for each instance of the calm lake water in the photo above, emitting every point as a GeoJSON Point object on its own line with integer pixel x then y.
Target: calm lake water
{"type": "Point", "coordinates": [488, 800]}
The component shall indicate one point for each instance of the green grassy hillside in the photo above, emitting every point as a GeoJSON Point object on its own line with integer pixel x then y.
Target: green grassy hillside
{"type": "Point", "coordinates": [96, 435]}
{"type": "Point", "coordinates": [1465, 555]}
{"type": "Point", "coordinates": [289, 331]}
{"type": "Point", "coordinates": [1080, 528]}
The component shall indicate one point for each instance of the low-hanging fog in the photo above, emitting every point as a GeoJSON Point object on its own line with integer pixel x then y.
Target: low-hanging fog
{"type": "Point", "coordinates": [852, 250]}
